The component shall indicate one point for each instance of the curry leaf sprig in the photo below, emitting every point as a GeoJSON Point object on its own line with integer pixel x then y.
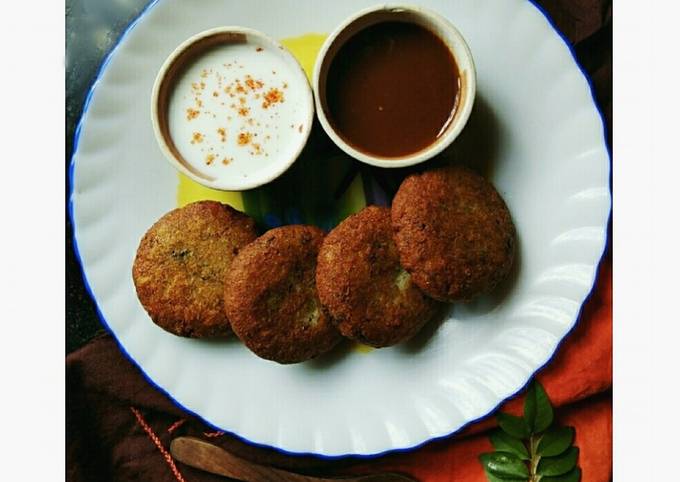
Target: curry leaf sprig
{"type": "Point", "coordinates": [531, 448]}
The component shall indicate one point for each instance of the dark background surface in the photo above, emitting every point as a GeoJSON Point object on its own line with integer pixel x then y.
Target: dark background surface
{"type": "Point", "coordinates": [94, 26]}
{"type": "Point", "coordinates": [92, 29]}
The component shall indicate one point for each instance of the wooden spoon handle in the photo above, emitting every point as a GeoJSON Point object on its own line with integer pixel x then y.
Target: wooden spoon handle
{"type": "Point", "coordinates": [203, 455]}
{"type": "Point", "coordinates": [211, 458]}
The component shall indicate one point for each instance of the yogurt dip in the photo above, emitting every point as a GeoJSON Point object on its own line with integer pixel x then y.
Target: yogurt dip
{"type": "Point", "coordinates": [232, 109]}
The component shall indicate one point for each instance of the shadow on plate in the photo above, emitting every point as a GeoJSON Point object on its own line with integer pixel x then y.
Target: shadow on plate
{"type": "Point", "coordinates": [477, 147]}
{"type": "Point", "coordinates": [218, 342]}
{"type": "Point", "coordinates": [488, 302]}
{"type": "Point", "coordinates": [333, 357]}
{"type": "Point", "coordinates": [418, 342]}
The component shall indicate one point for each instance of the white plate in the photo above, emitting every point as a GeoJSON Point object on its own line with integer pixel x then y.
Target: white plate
{"type": "Point", "coordinates": [550, 164]}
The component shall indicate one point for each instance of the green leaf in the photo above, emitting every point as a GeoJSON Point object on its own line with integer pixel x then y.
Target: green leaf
{"type": "Point", "coordinates": [530, 407]}
{"type": "Point", "coordinates": [504, 465]}
{"type": "Point", "coordinates": [555, 441]}
{"type": "Point", "coordinates": [538, 412]}
{"type": "Point", "coordinates": [515, 426]}
{"type": "Point", "coordinates": [551, 466]}
{"type": "Point", "coordinates": [492, 478]}
{"type": "Point", "coordinates": [573, 476]}
{"type": "Point", "coordinates": [505, 443]}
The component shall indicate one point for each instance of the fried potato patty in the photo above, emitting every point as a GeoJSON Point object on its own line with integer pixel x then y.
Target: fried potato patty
{"type": "Point", "coordinates": [180, 264]}
{"type": "Point", "coordinates": [454, 233]}
{"type": "Point", "coordinates": [362, 285]}
{"type": "Point", "coordinates": [271, 298]}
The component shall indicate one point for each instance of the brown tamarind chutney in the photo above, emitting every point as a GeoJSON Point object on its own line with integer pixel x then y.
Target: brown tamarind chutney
{"type": "Point", "coordinates": [392, 89]}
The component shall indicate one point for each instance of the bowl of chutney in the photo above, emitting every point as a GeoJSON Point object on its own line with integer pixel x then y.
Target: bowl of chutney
{"type": "Point", "coordinates": [394, 85]}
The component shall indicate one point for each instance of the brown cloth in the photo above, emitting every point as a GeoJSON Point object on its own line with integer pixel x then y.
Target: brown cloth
{"type": "Point", "coordinates": [119, 427]}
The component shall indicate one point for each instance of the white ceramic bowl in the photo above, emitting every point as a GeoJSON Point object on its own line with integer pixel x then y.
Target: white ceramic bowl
{"type": "Point", "coordinates": [242, 167]}
{"type": "Point", "coordinates": [430, 20]}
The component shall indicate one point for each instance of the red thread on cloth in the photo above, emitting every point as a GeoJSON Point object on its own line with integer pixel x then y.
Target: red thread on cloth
{"type": "Point", "coordinates": [176, 425]}
{"type": "Point", "coordinates": [154, 438]}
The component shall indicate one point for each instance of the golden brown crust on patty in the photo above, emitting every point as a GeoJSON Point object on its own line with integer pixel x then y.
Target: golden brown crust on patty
{"type": "Point", "coordinates": [363, 286]}
{"type": "Point", "coordinates": [454, 233]}
{"type": "Point", "coordinates": [271, 298]}
{"type": "Point", "coordinates": [180, 264]}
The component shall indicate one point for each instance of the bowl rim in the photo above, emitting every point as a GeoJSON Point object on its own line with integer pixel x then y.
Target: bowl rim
{"type": "Point", "coordinates": [222, 183]}
{"type": "Point", "coordinates": [462, 56]}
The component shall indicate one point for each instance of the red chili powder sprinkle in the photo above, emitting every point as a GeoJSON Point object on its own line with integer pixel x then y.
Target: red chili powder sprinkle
{"type": "Point", "coordinates": [209, 159]}
{"type": "Point", "coordinates": [253, 84]}
{"type": "Point", "coordinates": [243, 111]}
{"type": "Point", "coordinates": [197, 138]}
{"type": "Point", "coordinates": [244, 138]}
{"type": "Point", "coordinates": [192, 113]}
{"type": "Point", "coordinates": [272, 96]}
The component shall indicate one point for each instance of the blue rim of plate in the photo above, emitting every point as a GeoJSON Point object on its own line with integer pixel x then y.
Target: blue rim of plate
{"type": "Point", "coordinates": [86, 104]}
